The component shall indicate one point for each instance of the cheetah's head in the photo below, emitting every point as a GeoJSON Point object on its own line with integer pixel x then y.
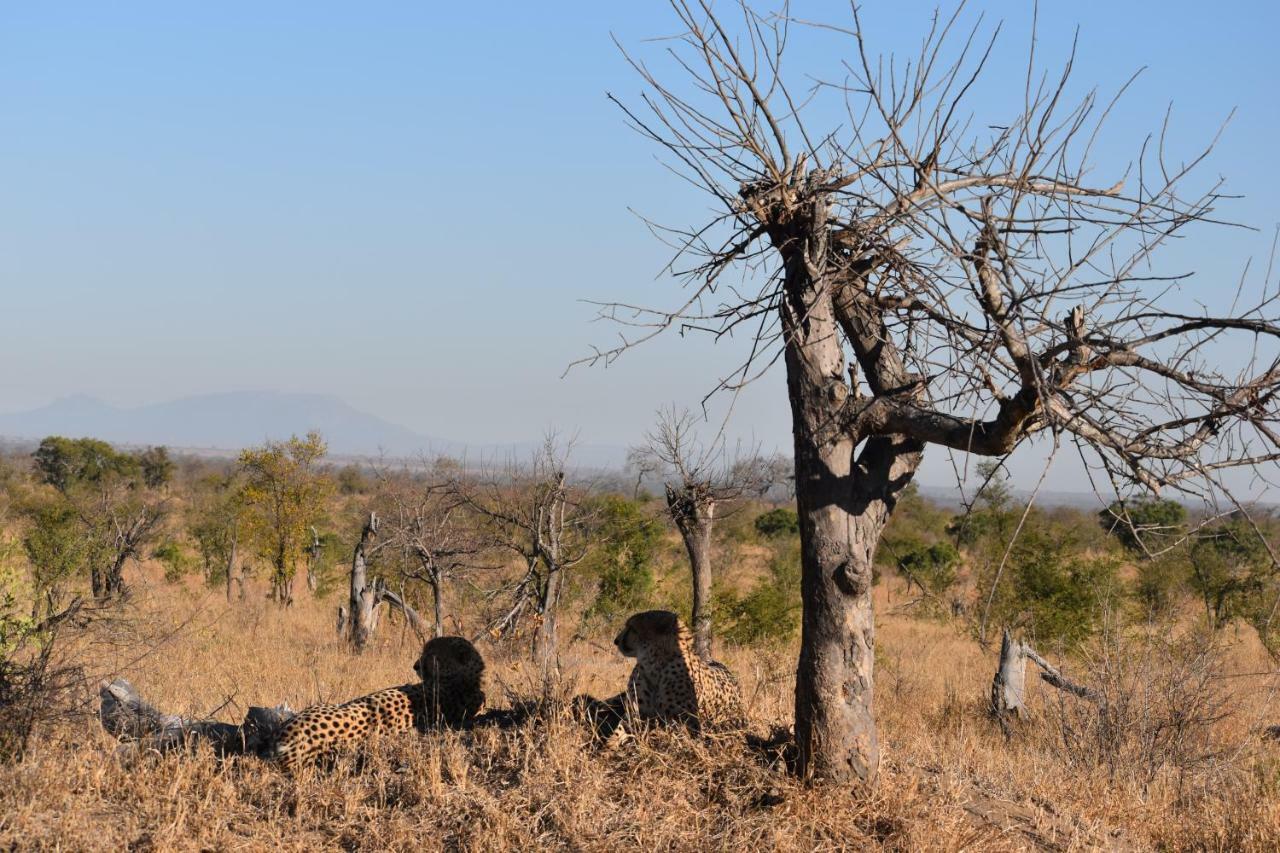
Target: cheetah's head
{"type": "Point", "coordinates": [449, 657]}
{"type": "Point", "coordinates": [649, 632]}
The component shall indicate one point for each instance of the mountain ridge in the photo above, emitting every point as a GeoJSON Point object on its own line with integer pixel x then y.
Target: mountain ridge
{"type": "Point", "coordinates": [230, 420]}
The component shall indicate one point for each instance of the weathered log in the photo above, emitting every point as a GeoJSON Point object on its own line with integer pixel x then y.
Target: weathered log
{"type": "Point", "coordinates": [127, 716]}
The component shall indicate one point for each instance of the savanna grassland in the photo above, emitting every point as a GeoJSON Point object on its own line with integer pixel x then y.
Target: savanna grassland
{"type": "Point", "coordinates": [1178, 762]}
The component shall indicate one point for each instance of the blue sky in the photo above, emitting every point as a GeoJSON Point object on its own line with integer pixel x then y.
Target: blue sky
{"type": "Point", "coordinates": [404, 203]}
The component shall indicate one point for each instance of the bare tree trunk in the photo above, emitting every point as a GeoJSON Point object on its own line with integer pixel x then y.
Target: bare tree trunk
{"type": "Point", "coordinates": [313, 562]}
{"type": "Point", "coordinates": [115, 575]}
{"type": "Point", "coordinates": [843, 506]}
{"type": "Point", "coordinates": [437, 599]}
{"type": "Point", "coordinates": [364, 597]}
{"type": "Point", "coordinates": [234, 575]}
{"type": "Point", "coordinates": [1008, 688]}
{"type": "Point", "coordinates": [693, 510]}
{"type": "Point", "coordinates": [545, 641]}
{"type": "Point", "coordinates": [127, 716]}
{"type": "Point", "coordinates": [98, 580]}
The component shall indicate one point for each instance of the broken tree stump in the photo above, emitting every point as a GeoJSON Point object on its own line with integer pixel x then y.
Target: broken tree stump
{"type": "Point", "coordinates": [128, 717]}
{"type": "Point", "coordinates": [1008, 687]}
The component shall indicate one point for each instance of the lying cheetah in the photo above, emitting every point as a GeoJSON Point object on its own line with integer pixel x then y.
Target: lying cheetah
{"type": "Point", "coordinates": [669, 681]}
{"type": "Point", "coordinates": [450, 693]}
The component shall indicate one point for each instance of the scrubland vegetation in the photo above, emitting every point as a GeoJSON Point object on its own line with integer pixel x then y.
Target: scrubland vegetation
{"type": "Point", "coordinates": [1174, 757]}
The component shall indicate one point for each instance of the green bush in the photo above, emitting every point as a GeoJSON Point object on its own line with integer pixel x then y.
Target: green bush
{"type": "Point", "coordinates": [931, 567]}
{"type": "Point", "coordinates": [57, 548]}
{"type": "Point", "coordinates": [1230, 568]}
{"type": "Point", "coordinates": [770, 611]}
{"type": "Point", "coordinates": [622, 564]}
{"type": "Point", "coordinates": [779, 522]}
{"type": "Point", "coordinates": [1049, 587]}
{"type": "Point", "coordinates": [1144, 525]}
{"type": "Point", "coordinates": [1160, 583]}
{"type": "Point", "coordinates": [175, 559]}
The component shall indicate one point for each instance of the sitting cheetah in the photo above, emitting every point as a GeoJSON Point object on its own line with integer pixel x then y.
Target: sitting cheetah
{"type": "Point", "coordinates": [450, 693]}
{"type": "Point", "coordinates": [669, 681]}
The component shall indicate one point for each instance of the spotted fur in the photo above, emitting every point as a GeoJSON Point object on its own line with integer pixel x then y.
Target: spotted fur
{"type": "Point", "coordinates": [450, 693]}
{"type": "Point", "coordinates": [670, 682]}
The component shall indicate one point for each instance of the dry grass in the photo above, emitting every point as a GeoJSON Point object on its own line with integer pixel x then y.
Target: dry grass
{"type": "Point", "coordinates": [950, 780]}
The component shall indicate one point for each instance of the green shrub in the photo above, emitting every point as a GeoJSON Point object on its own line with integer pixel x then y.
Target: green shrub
{"type": "Point", "coordinates": [622, 564]}
{"type": "Point", "coordinates": [771, 610]}
{"type": "Point", "coordinates": [175, 559]}
{"type": "Point", "coordinates": [1159, 584]}
{"type": "Point", "coordinates": [1144, 525]}
{"type": "Point", "coordinates": [777, 523]}
{"type": "Point", "coordinates": [1230, 568]}
{"type": "Point", "coordinates": [931, 567]}
{"type": "Point", "coordinates": [1050, 588]}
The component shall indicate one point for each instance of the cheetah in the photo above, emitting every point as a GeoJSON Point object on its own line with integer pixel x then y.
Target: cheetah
{"type": "Point", "coordinates": [450, 693]}
{"type": "Point", "coordinates": [669, 682]}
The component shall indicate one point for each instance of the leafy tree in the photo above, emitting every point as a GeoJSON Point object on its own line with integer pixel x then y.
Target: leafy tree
{"type": "Point", "coordinates": [157, 467]}
{"type": "Point", "coordinates": [777, 523]}
{"type": "Point", "coordinates": [118, 513]}
{"type": "Point", "coordinates": [1229, 569]}
{"type": "Point", "coordinates": [283, 495]}
{"type": "Point", "coordinates": [66, 462]}
{"type": "Point", "coordinates": [213, 523]}
{"type": "Point", "coordinates": [351, 480]}
{"type": "Point", "coordinates": [1144, 526]}
{"type": "Point", "coordinates": [59, 552]}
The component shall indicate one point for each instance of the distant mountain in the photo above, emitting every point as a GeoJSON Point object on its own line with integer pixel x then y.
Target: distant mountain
{"type": "Point", "coordinates": [237, 419]}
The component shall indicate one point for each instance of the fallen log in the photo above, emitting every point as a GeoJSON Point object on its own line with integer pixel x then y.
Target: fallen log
{"type": "Point", "coordinates": [128, 717]}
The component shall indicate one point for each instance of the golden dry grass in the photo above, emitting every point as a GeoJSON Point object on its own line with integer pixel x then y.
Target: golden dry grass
{"type": "Point", "coordinates": [950, 780]}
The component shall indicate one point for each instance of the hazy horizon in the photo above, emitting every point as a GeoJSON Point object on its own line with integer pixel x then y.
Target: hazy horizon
{"type": "Point", "coordinates": [404, 208]}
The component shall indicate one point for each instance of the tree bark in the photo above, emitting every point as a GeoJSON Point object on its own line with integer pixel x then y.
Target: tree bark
{"type": "Point", "coordinates": [843, 504]}
{"type": "Point", "coordinates": [1009, 687]}
{"type": "Point", "coordinates": [545, 640]}
{"type": "Point", "coordinates": [235, 577]}
{"type": "Point", "coordinates": [114, 581]}
{"type": "Point", "coordinates": [364, 597]}
{"type": "Point", "coordinates": [313, 562]}
{"type": "Point", "coordinates": [692, 508]}
{"type": "Point", "coordinates": [437, 599]}
{"type": "Point", "coordinates": [281, 580]}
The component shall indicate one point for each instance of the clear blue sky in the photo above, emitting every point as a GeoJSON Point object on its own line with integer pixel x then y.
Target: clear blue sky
{"type": "Point", "coordinates": [402, 203]}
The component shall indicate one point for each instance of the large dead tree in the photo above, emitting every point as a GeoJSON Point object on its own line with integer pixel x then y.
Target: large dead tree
{"type": "Point", "coordinates": [358, 620]}
{"type": "Point", "coordinates": [427, 522]}
{"type": "Point", "coordinates": [697, 478]}
{"type": "Point", "coordinates": [988, 290]}
{"type": "Point", "coordinates": [537, 516]}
